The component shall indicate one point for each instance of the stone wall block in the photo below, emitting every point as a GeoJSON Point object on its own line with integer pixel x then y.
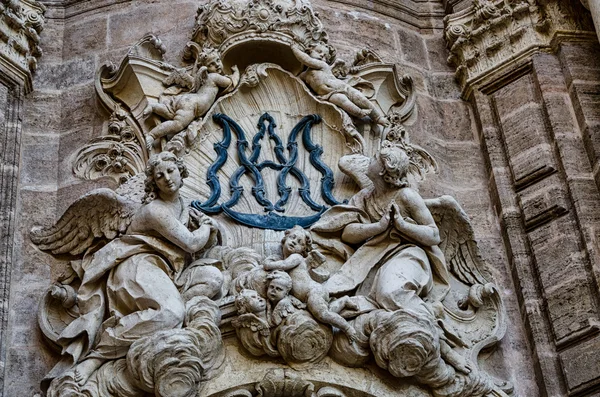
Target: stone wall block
{"type": "Point", "coordinates": [128, 27]}
{"type": "Point", "coordinates": [39, 159]}
{"type": "Point", "coordinates": [581, 61]}
{"type": "Point", "coordinates": [514, 96]}
{"type": "Point", "coordinates": [543, 201]}
{"type": "Point", "coordinates": [64, 75]}
{"type": "Point", "coordinates": [561, 268]}
{"type": "Point", "coordinates": [43, 111]}
{"type": "Point", "coordinates": [412, 47]}
{"type": "Point", "coordinates": [523, 130]}
{"type": "Point", "coordinates": [85, 38]}
{"type": "Point", "coordinates": [581, 365]}
{"type": "Point", "coordinates": [382, 35]}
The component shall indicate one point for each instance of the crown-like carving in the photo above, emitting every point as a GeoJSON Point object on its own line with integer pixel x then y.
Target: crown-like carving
{"type": "Point", "coordinates": [224, 23]}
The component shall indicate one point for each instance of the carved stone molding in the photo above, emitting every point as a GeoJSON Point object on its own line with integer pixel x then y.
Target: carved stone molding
{"type": "Point", "coordinates": [21, 22]}
{"type": "Point", "coordinates": [491, 37]}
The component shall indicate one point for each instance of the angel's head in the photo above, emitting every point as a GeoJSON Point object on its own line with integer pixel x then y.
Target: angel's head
{"type": "Point", "coordinates": [249, 301]}
{"type": "Point", "coordinates": [164, 173]}
{"type": "Point", "coordinates": [322, 52]}
{"type": "Point", "coordinates": [296, 241]}
{"type": "Point", "coordinates": [391, 164]}
{"type": "Point", "coordinates": [211, 58]}
{"type": "Point", "coordinates": [280, 284]}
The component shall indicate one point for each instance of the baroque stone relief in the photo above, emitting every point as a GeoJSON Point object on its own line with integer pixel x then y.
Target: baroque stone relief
{"type": "Point", "coordinates": [217, 161]}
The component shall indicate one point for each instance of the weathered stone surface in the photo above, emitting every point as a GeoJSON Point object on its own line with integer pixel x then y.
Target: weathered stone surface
{"type": "Point", "coordinates": [477, 145]}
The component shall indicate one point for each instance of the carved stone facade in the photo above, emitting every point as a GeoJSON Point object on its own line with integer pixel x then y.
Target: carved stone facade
{"type": "Point", "coordinates": [246, 198]}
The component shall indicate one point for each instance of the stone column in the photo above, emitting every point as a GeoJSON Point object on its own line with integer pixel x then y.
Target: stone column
{"type": "Point", "coordinates": [21, 21]}
{"type": "Point", "coordinates": [532, 73]}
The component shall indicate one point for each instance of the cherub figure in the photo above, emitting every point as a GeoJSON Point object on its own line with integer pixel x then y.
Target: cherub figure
{"type": "Point", "coordinates": [281, 303]}
{"type": "Point", "coordinates": [297, 259]}
{"type": "Point", "coordinates": [251, 308]}
{"type": "Point", "coordinates": [204, 85]}
{"type": "Point", "coordinates": [321, 79]}
{"type": "Point", "coordinates": [251, 325]}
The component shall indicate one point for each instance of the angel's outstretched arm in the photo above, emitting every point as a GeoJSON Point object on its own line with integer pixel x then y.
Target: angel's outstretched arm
{"type": "Point", "coordinates": [173, 230]}
{"type": "Point", "coordinates": [307, 60]}
{"type": "Point", "coordinates": [228, 81]}
{"type": "Point", "coordinates": [285, 264]}
{"type": "Point", "coordinates": [424, 231]}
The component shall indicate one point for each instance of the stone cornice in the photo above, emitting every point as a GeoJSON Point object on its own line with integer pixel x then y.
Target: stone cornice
{"type": "Point", "coordinates": [423, 15]}
{"type": "Point", "coordinates": [21, 22]}
{"type": "Point", "coordinates": [491, 37]}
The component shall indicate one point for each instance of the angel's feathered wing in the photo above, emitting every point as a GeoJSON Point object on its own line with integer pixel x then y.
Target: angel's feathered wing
{"type": "Point", "coordinates": [457, 240]}
{"type": "Point", "coordinates": [181, 78]}
{"type": "Point", "coordinates": [101, 213]}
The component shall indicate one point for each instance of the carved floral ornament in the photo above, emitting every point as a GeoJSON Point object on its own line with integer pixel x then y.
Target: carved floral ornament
{"type": "Point", "coordinates": [174, 282]}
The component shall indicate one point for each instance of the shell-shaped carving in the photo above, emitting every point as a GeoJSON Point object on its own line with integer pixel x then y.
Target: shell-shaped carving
{"type": "Point", "coordinates": [280, 383]}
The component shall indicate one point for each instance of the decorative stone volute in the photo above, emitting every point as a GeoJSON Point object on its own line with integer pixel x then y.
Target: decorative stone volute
{"type": "Point", "coordinates": [21, 22]}
{"type": "Point", "coordinates": [268, 26]}
{"type": "Point", "coordinates": [490, 37]}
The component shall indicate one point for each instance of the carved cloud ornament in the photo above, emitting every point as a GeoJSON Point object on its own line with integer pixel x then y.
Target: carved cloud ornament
{"type": "Point", "coordinates": [265, 226]}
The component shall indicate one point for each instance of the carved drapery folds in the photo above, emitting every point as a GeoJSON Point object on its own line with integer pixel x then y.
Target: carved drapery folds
{"type": "Point", "coordinates": [235, 150]}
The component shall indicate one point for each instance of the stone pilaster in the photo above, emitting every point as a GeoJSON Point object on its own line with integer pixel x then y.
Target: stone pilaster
{"type": "Point", "coordinates": [532, 72]}
{"type": "Point", "coordinates": [20, 24]}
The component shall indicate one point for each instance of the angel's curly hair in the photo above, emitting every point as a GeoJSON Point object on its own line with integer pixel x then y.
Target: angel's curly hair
{"type": "Point", "coordinates": [242, 300]}
{"type": "Point", "coordinates": [395, 163]}
{"type": "Point", "coordinates": [305, 233]}
{"type": "Point", "coordinates": [207, 54]}
{"type": "Point", "coordinates": [282, 276]}
{"type": "Point", "coordinates": [331, 51]}
{"type": "Point", "coordinates": [150, 185]}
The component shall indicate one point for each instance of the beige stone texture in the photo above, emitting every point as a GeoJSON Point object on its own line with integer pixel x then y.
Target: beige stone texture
{"type": "Point", "coordinates": [522, 158]}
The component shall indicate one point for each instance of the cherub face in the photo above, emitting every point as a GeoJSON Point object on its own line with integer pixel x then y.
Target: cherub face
{"type": "Point", "coordinates": [278, 289]}
{"type": "Point", "coordinates": [319, 52]}
{"type": "Point", "coordinates": [254, 302]}
{"type": "Point", "coordinates": [214, 65]}
{"type": "Point", "coordinates": [167, 177]}
{"type": "Point", "coordinates": [294, 243]}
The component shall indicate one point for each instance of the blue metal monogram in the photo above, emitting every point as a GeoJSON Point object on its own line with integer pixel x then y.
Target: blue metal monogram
{"type": "Point", "coordinates": [285, 166]}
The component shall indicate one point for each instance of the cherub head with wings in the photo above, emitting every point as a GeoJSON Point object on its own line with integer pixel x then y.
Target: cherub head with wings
{"type": "Point", "coordinates": [166, 158]}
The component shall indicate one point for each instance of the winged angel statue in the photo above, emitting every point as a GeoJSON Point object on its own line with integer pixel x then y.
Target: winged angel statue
{"type": "Point", "coordinates": [402, 252]}
{"type": "Point", "coordinates": [130, 285]}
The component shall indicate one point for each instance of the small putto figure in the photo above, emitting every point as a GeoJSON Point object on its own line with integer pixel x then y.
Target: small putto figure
{"type": "Point", "coordinates": [204, 85]}
{"type": "Point", "coordinates": [281, 304]}
{"type": "Point", "coordinates": [297, 260]}
{"type": "Point", "coordinates": [321, 79]}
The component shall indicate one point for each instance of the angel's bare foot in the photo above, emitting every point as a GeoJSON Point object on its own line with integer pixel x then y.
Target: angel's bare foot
{"type": "Point", "coordinates": [148, 111]}
{"type": "Point", "coordinates": [351, 334]}
{"type": "Point", "coordinates": [85, 369]}
{"type": "Point", "coordinates": [149, 142]}
{"type": "Point", "coordinates": [382, 121]}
